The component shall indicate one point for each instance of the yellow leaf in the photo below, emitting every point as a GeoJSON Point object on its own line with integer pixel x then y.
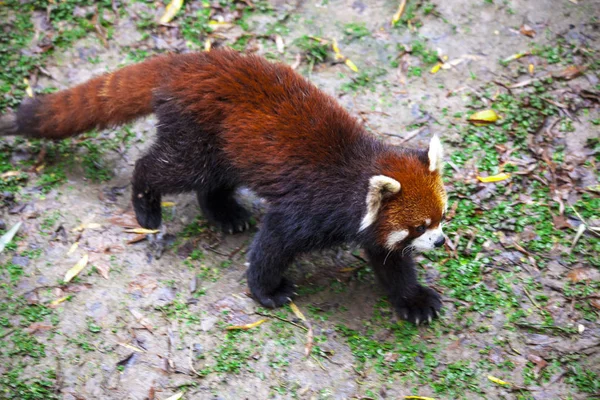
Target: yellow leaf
{"type": "Point", "coordinates": [172, 9]}
{"type": "Point", "coordinates": [207, 45]}
{"type": "Point", "coordinates": [91, 225]}
{"type": "Point", "coordinates": [483, 117]}
{"type": "Point", "coordinates": [351, 65]}
{"type": "Point", "coordinates": [58, 301]}
{"type": "Point", "coordinates": [419, 398]}
{"type": "Point", "coordinates": [515, 56]}
{"type": "Point", "coordinates": [436, 68]}
{"type": "Point", "coordinates": [28, 89]}
{"type": "Point", "coordinates": [297, 311]}
{"type": "Point", "coordinates": [142, 231]}
{"type": "Point", "coordinates": [335, 48]}
{"type": "Point", "coordinates": [531, 69]}
{"type": "Point", "coordinates": [175, 396]}
{"type": "Point", "coordinates": [73, 247]}
{"type": "Point", "coordinates": [494, 178]}
{"type": "Point", "coordinates": [167, 204]}
{"type": "Point", "coordinates": [399, 12]}
{"type": "Point", "coordinates": [247, 326]}
{"type": "Point", "coordinates": [77, 268]}
{"type": "Point", "coordinates": [497, 381]}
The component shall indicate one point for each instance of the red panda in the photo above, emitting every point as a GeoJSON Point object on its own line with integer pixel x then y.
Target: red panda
{"type": "Point", "coordinates": [227, 120]}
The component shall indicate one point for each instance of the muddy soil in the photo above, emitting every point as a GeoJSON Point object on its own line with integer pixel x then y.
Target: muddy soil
{"type": "Point", "coordinates": [138, 326]}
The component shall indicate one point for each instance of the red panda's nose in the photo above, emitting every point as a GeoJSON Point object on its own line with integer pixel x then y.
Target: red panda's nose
{"type": "Point", "coordinates": [440, 242]}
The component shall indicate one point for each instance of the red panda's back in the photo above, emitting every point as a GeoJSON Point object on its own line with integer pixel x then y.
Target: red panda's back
{"type": "Point", "coordinates": [270, 118]}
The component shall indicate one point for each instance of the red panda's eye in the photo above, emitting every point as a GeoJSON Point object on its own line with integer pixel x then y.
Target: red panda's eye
{"type": "Point", "coordinates": [420, 229]}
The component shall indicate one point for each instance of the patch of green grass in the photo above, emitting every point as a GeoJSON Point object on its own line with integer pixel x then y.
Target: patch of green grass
{"type": "Point", "coordinates": [12, 386]}
{"type": "Point", "coordinates": [585, 380]}
{"type": "Point", "coordinates": [230, 356]}
{"type": "Point", "coordinates": [314, 50]}
{"type": "Point", "coordinates": [355, 30]}
{"type": "Point", "coordinates": [365, 80]}
{"type": "Point", "coordinates": [456, 379]}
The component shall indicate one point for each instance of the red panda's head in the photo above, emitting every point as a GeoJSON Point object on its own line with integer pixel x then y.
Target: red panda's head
{"type": "Point", "coordinates": [406, 203]}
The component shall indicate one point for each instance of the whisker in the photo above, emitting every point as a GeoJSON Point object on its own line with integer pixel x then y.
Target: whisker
{"type": "Point", "coordinates": [386, 257]}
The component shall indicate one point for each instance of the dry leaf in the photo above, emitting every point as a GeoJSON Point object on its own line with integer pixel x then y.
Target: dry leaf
{"type": "Point", "coordinates": [91, 225]}
{"type": "Point", "coordinates": [531, 69]}
{"type": "Point", "coordinates": [172, 8]}
{"type": "Point", "coordinates": [583, 274]}
{"type": "Point", "coordinates": [497, 381]}
{"type": "Point", "coordinates": [28, 89]}
{"type": "Point", "coordinates": [560, 222]}
{"type": "Point", "coordinates": [484, 117]}
{"type": "Point", "coordinates": [279, 43]}
{"type": "Point", "coordinates": [436, 68]}
{"type": "Point", "coordinates": [351, 65]}
{"type": "Point", "coordinates": [595, 303]}
{"type": "Point", "coordinates": [76, 269]}
{"type": "Point", "coordinates": [8, 236]}
{"type": "Point", "coordinates": [9, 174]}
{"type": "Point", "coordinates": [539, 362]}
{"type": "Point", "coordinates": [207, 45]}
{"type": "Point", "coordinates": [527, 30]}
{"type": "Point", "coordinates": [176, 396]}
{"type": "Point", "coordinates": [72, 249]}
{"type": "Point", "coordinates": [137, 238]}
{"type": "Point", "coordinates": [126, 220]}
{"type": "Point", "coordinates": [131, 347]}
{"type": "Point", "coordinates": [56, 302]}
{"type": "Point", "coordinates": [142, 231]}
{"type": "Point", "coordinates": [297, 311]}
{"type": "Point", "coordinates": [494, 178]}
{"type": "Point", "coordinates": [141, 319]}
{"type": "Point", "coordinates": [103, 269]}
{"type": "Point", "coordinates": [515, 56]}
{"type": "Point", "coordinates": [419, 398]}
{"type": "Point", "coordinates": [143, 283]}
{"type": "Point", "coordinates": [247, 326]}
{"type": "Point", "coordinates": [571, 72]}
{"type": "Point", "coordinates": [399, 12]}
{"type": "Point", "coordinates": [167, 204]}
{"type": "Point", "coordinates": [38, 327]}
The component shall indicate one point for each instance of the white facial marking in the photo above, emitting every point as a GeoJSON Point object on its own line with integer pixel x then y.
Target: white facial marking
{"type": "Point", "coordinates": [396, 237]}
{"type": "Point", "coordinates": [428, 221]}
{"type": "Point", "coordinates": [435, 154]}
{"type": "Point", "coordinates": [427, 240]}
{"type": "Point", "coordinates": [379, 185]}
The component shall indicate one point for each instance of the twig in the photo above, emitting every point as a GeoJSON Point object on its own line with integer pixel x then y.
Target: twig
{"type": "Point", "coordinates": [532, 300]}
{"type": "Point", "coordinates": [399, 12]}
{"type": "Point", "coordinates": [281, 319]}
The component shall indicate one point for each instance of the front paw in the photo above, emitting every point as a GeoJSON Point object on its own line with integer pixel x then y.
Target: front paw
{"type": "Point", "coordinates": [274, 298]}
{"type": "Point", "coordinates": [424, 305]}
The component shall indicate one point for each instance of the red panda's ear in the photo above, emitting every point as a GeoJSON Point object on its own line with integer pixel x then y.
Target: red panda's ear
{"type": "Point", "coordinates": [435, 154]}
{"type": "Point", "coordinates": [379, 187]}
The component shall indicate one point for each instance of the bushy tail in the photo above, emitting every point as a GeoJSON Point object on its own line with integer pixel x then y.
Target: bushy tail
{"type": "Point", "coordinates": [108, 100]}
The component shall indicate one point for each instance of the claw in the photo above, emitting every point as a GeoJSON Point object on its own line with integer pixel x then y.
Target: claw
{"type": "Point", "coordinates": [240, 228]}
{"type": "Point", "coordinates": [289, 299]}
{"type": "Point", "coordinates": [417, 321]}
{"type": "Point", "coordinates": [295, 293]}
{"type": "Point", "coordinates": [247, 225]}
{"type": "Point", "coordinates": [230, 231]}
{"type": "Point", "coordinates": [429, 319]}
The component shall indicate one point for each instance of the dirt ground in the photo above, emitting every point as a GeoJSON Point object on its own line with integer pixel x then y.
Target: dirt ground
{"type": "Point", "coordinates": [520, 275]}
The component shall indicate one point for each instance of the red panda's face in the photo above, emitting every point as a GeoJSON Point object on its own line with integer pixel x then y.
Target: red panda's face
{"type": "Point", "coordinates": [407, 203]}
{"type": "Point", "coordinates": [413, 217]}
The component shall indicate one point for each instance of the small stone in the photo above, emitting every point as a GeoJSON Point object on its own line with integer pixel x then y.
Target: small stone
{"type": "Point", "coordinates": [580, 328]}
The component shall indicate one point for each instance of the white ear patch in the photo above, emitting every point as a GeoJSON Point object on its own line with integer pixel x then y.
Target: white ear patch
{"type": "Point", "coordinates": [395, 238]}
{"type": "Point", "coordinates": [379, 186]}
{"type": "Point", "coordinates": [435, 154]}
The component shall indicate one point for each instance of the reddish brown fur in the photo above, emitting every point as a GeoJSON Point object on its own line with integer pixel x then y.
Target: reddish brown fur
{"type": "Point", "coordinates": [421, 197]}
{"type": "Point", "coordinates": [108, 100]}
{"type": "Point", "coordinates": [227, 120]}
